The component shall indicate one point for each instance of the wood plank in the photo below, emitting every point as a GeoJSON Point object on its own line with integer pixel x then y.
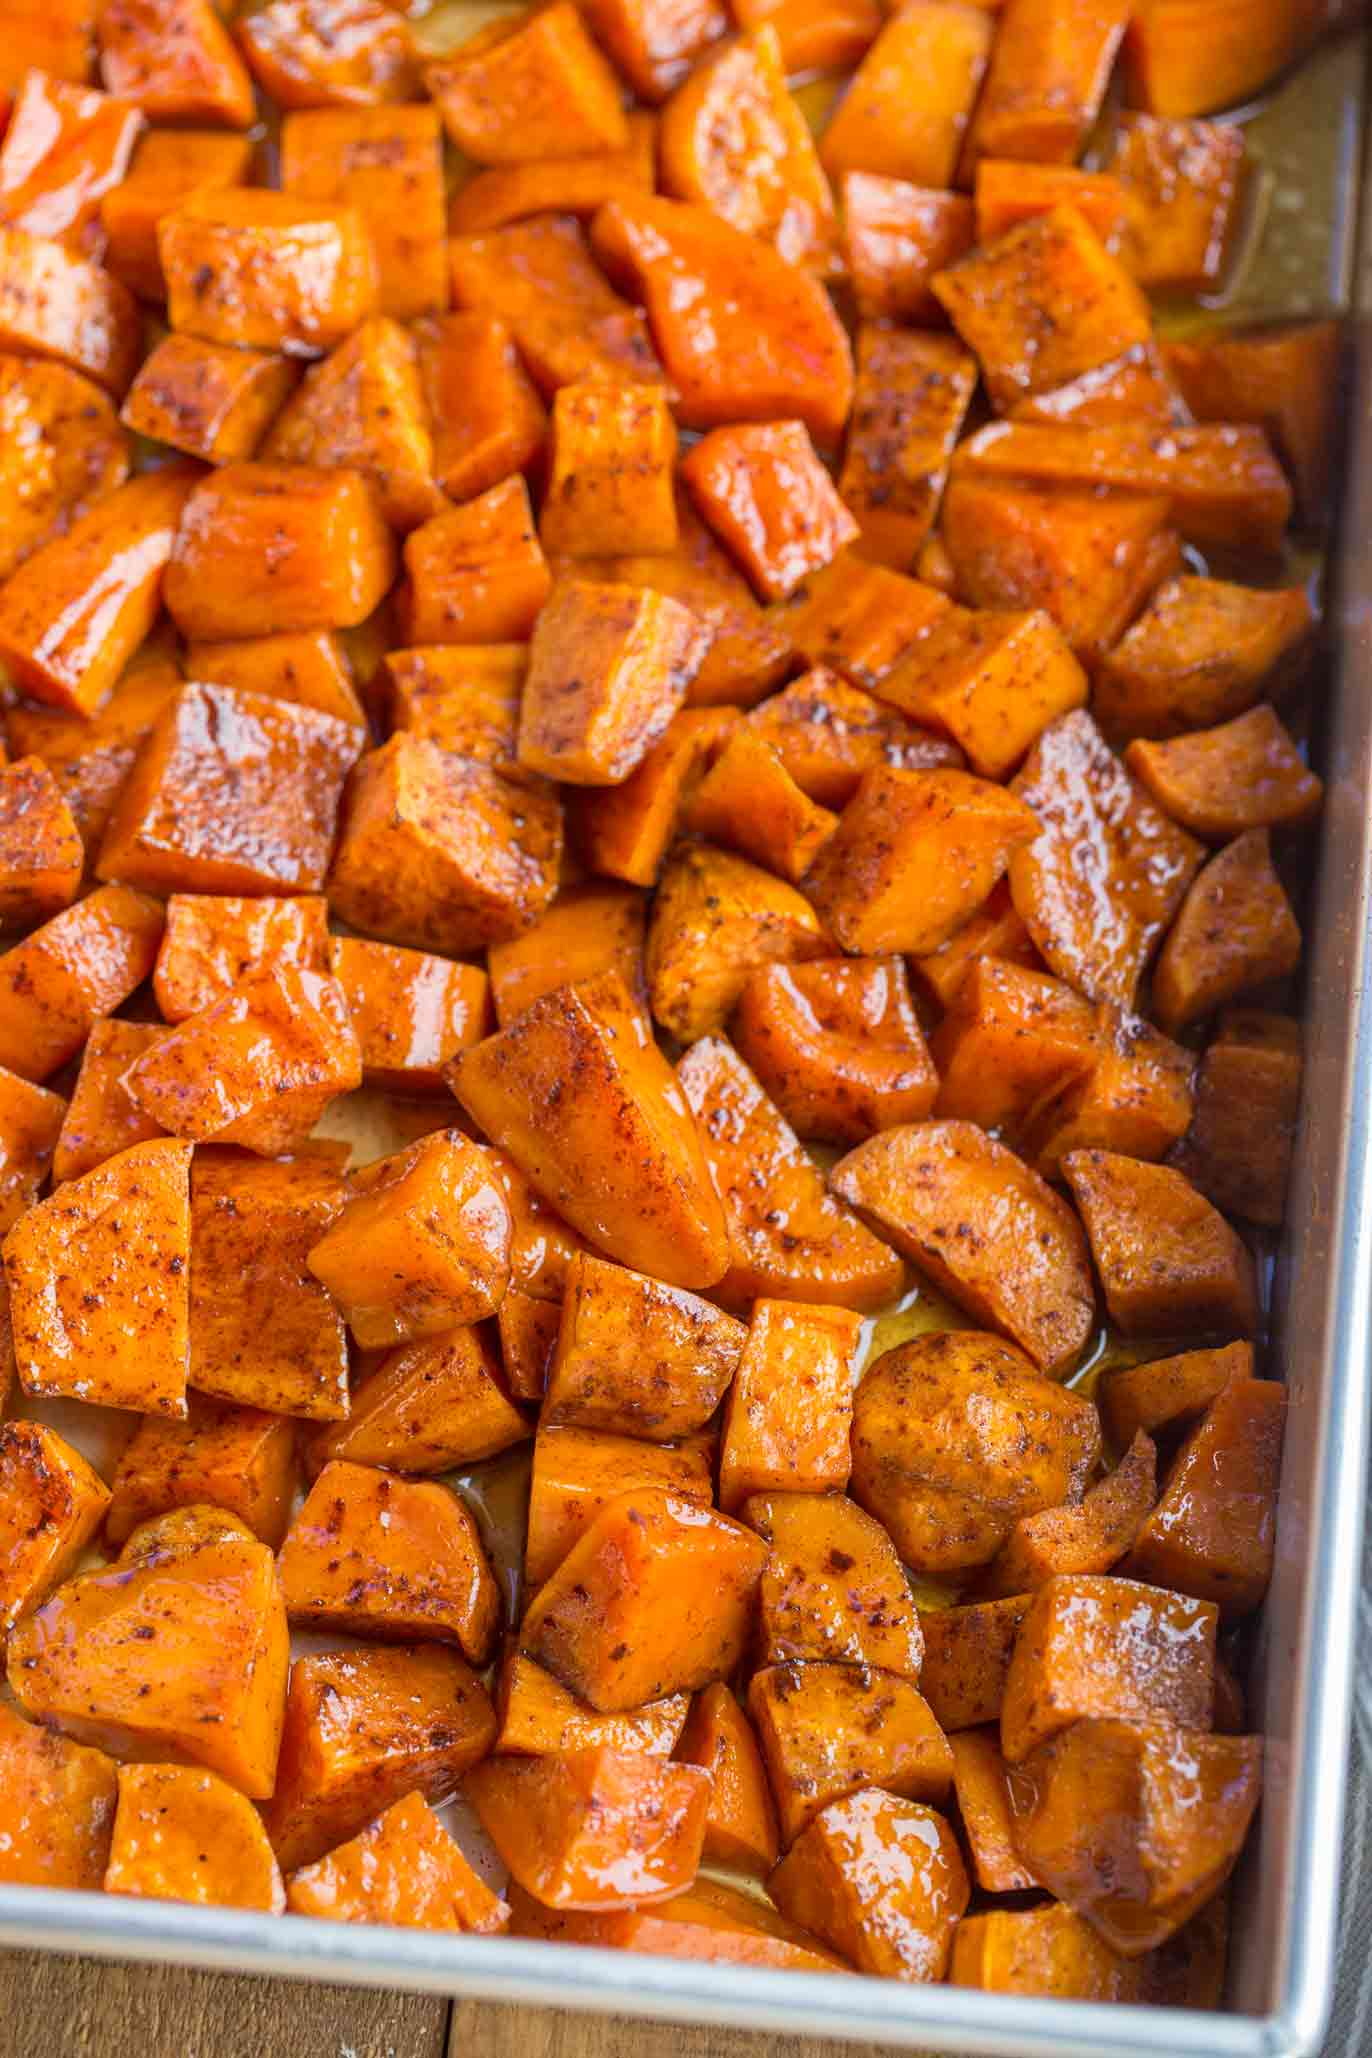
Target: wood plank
{"type": "Point", "coordinates": [481, 2029]}
{"type": "Point", "coordinates": [82, 2009]}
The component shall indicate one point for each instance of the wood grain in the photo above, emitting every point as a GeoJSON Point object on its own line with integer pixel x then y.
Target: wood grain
{"type": "Point", "coordinates": [480, 2030]}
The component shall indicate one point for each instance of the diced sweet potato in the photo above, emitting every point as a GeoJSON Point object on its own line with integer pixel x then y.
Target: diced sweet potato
{"type": "Point", "coordinates": [749, 802]}
{"type": "Point", "coordinates": [543, 1247]}
{"type": "Point", "coordinates": [528, 1332]}
{"type": "Point", "coordinates": [1048, 1951]}
{"type": "Point", "coordinates": [1107, 872]}
{"type": "Point", "coordinates": [1135, 386]}
{"type": "Point", "coordinates": [828, 733]}
{"type": "Point", "coordinates": [1009, 191]}
{"type": "Point", "coordinates": [41, 854]}
{"type": "Point", "coordinates": [578, 1472]}
{"type": "Point", "coordinates": [1135, 1823]}
{"type": "Point", "coordinates": [994, 931]}
{"type": "Point", "coordinates": [929, 62]}
{"type": "Point", "coordinates": [650, 1203]}
{"type": "Point", "coordinates": [488, 421]}
{"type": "Point", "coordinates": [68, 452]}
{"type": "Point", "coordinates": [1042, 305]}
{"type": "Point", "coordinates": [561, 185]}
{"type": "Point", "coordinates": [60, 41]}
{"type": "Point", "coordinates": [32, 1121]}
{"type": "Point", "coordinates": [1010, 1038]}
{"type": "Point", "coordinates": [732, 139]}
{"type": "Point", "coordinates": [476, 572]}
{"type": "Point", "coordinates": [175, 60]}
{"type": "Point", "coordinates": [427, 1407]}
{"type": "Point", "coordinates": [56, 305]}
{"type": "Point", "coordinates": [1235, 930]}
{"type": "Point", "coordinates": [363, 1729]}
{"type": "Point", "coordinates": [539, 278]}
{"type": "Point", "coordinates": [98, 1286]}
{"type": "Point", "coordinates": [656, 42]}
{"type": "Point", "coordinates": [529, 87]}
{"type": "Point", "coordinates": [765, 493]}
{"type": "Point", "coordinates": [741, 1826]}
{"type": "Point", "coordinates": [463, 697]}
{"type": "Point", "coordinates": [64, 147]}
{"type": "Point", "coordinates": [1166, 1392]}
{"type": "Point", "coordinates": [168, 166]}
{"type": "Point", "coordinates": [859, 617]}
{"type": "Point", "coordinates": [715, 920]}
{"type": "Point", "coordinates": [51, 1504]}
{"type": "Point", "coordinates": [1246, 774]}
{"type": "Point", "coordinates": [831, 1730]}
{"type": "Point", "coordinates": [1200, 653]}
{"type": "Point", "coordinates": [788, 1413]}
{"type": "Point", "coordinates": [881, 1880]}
{"type": "Point", "coordinates": [636, 1357]}
{"type": "Point", "coordinates": [363, 408]}
{"type": "Point", "coordinates": [788, 1237]}
{"type": "Point", "coordinates": [1238, 1149]}
{"type": "Point", "coordinates": [399, 1560]}
{"type": "Point", "coordinates": [1091, 1649]}
{"type": "Point", "coordinates": [991, 680]}
{"type": "Point", "coordinates": [181, 1834]}
{"type": "Point", "coordinates": [387, 163]}
{"type": "Point", "coordinates": [984, 1227]}
{"type": "Point", "coordinates": [967, 1653]}
{"type": "Point", "coordinates": [911, 396]}
{"type": "Point", "coordinates": [1090, 1537]}
{"type": "Point", "coordinates": [983, 1797]}
{"type": "Point", "coordinates": [955, 1436]}
{"type": "Point", "coordinates": [63, 977]}
{"type": "Point", "coordinates": [654, 1598]}
{"type": "Point", "coordinates": [539, 1718]}
{"type": "Point", "coordinates": [609, 666]}
{"type": "Point", "coordinates": [238, 1459]}
{"type": "Point", "coordinates": [1168, 1261]}
{"type": "Point", "coordinates": [1213, 1533]}
{"type": "Point", "coordinates": [771, 346]}
{"type": "Point", "coordinates": [266, 270]}
{"type": "Point", "coordinates": [207, 399]}
{"type": "Point", "coordinates": [815, 35]}
{"type": "Point", "coordinates": [412, 1012]}
{"type": "Point", "coordinates": [610, 484]}
{"type": "Point", "coordinates": [1136, 1099]}
{"type": "Point", "coordinates": [896, 239]}
{"type": "Point", "coordinates": [207, 1686]}
{"type": "Point", "coordinates": [1050, 67]}
{"type": "Point", "coordinates": [1286, 378]}
{"type": "Point", "coordinates": [710, 1921]}
{"type": "Point", "coordinates": [833, 1587]}
{"type": "Point", "coordinates": [324, 53]}
{"type": "Point", "coordinates": [588, 930]}
{"type": "Point", "coordinates": [837, 1045]}
{"type": "Point", "coordinates": [1185, 185]}
{"type": "Point", "coordinates": [211, 941]}
{"type": "Point", "coordinates": [277, 1341]}
{"type": "Point", "coordinates": [402, 1869]}
{"type": "Point", "coordinates": [1186, 58]}
{"type": "Point", "coordinates": [90, 757]}
{"type": "Point", "coordinates": [625, 830]}
{"type": "Point", "coordinates": [59, 1806]}
{"type": "Point", "coordinates": [594, 1828]}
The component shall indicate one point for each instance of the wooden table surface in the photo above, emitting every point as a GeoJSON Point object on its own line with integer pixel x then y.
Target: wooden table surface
{"type": "Point", "coordinates": [75, 2008]}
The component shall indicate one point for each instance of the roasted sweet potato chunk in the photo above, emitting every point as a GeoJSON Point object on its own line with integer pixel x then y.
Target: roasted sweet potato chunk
{"type": "Point", "coordinates": [1049, 1951]}
{"type": "Point", "coordinates": [859, 617]}
{"type": "Point", "coordinates": [238, 1459]}
{"type": "Point", "coordinates": [967, 1652]}
{"type": "Point", "coordinates": [59, 1803]}
{"type": "Point", "coordinates": [1183, 60]}
{"type": "Point", "coordinates": [181, 1834]}
{"type": "Point", "coordinates": [363, 408]}
{"type": "Point", "coordinates": [540, 1718]}
{"type": "Point", "coordinates": [831, 1730]}
{"type": "Point", "coordinates": [833, 1587]}
{"type": "Point", "coordinates": [1168, 1261]}
{"type": "Point", "coordinates": [51, 1506]}
{"type": "Point", "coordinates": [488, 420]}
{"type": "Point", "coordinates": [788, 1414]}
{"type": "Point", "coordinates": [588, 930]}
{"type": "Point", "coordinates": [324, 53]}
{"type": "Point", "coordinates": [1235, 930]}
{"type": "Point", "coordinates": [55, 305]}
{"type": "Point", "coordinates": [609, 666]}
{"type": "Point", "coordinates": [211, 941]}
{"type": "Point", "coordinates": [427, 1407]}
{"type": "Point", "coordinates": [90, 757]}
{"type": "Point", "coordinates": [1238, 1148]}
{"type": "Point", "coordinates": [655, 42]}
{"type": "Point", "coordinates": [989, 679]}
{"type": "Point", "coordinates": [266, 270]}
{"type": "Point", "coordinates": [463, 697]}
{"type": "Point", "coordinates": [577, 1472]}
{"type": "Point", "coordinates": [828, 733]}
{"type": "Point", "coordinates": [69, 452]}
{"type": "Point", "coordinates": [387, 163]}
{"type": "Point", "coordinates": [710, 1921]}
{"type": "Point", "coordinates": [1009, 191]}
{"type": "Point", "coordinates": [1284, 377]}
{"type": "Point", "coordinates": [625, 831]}
{"type": "Point", "coordinates": [1091, 1537]}
{"type": "Point", "coordinates": [716, 919]}
{"type": "Point", "coordinates": [815, 35]}
{"type": "Point", "coordinates": [476, 572]}
{"type": "Point", "coordinates": [1009, 1038]}
{"type": "Point", "coordinates": [1213, 1532]}
{"type": "Point", "coordinates": [637, 1358]}
{"type": "Point", "coordinates": [63, 977]}
{"type": "Point", "coordinates": [741, 1827]}
{"type": "Point", "coordinates": [168, 166]}
{"type": "Point", "coordinates": [837, 1045]}
{"type": "Point", "coordinates": [763, 490]}
{"type": "Point", "coordinates": [563, 185]}
{"type": "Point", "coordinates": [567, 321]}
{"type": "Point", "coordinates": [412, 1012]}
{"type": "Point", "coordinates": [403, 1869]}
{"type": "Point", "coordinates": [1185, 184]}
{"type": "Point", "coordinates": [1164, 1393]}
{"type": "Point", "coordinates": [1201, 652]}
{"type": "Point", "coordinates": [983, 1797]}
{"type": "Point", "coordinates": [911, 396]}
{"type": "Point", "coordinates": [207, 399]}
{"type": "Point", "coordinates": [881, 1880]}
{"type": "Point", "coordinates": [532, 87]}
{"type": "Point", "coordinates": [929, 62]}
{"type": "Point", "coordinates": [175, 60]}
{"type": "Point", "coordinates": [1246, 774]}
{"type": "Point", "coordinates": [994, 931]}
{"type": "Point", "coordinates": [31, 1124]}
{"type": "Point", "coordinates": [610, 487]}
{"type": "Point", "coordinates": [896, 239]}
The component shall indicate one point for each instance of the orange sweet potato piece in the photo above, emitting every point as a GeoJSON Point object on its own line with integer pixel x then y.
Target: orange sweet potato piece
{"type": "Point", "coordinates": [1189, 58]}
{"type": "Point", "coordinates": [207, 399]}
{"type": "Point", "coordinates": [610, 485]}
{"type": "Point", "coordinates": [54, 304]}
{"type": "Point", "coordinates": [540, 278]}
{"type": "Point", "coordinates": [64, 148]}
{"type": "Point", "coordinates": [1200, 653]}
{"type": "Point", "coordinates": [364, 1728]}
{"type": "Point", "coordinates": [539, 1718]}
{"type": "Point", "coordinates": [1107, 872]}
{"type": "Point", "coordinates": [859, 617]}
{"type": "Point", "coordinates": [387, 163]}
{"type": "Point", "coordinates": [556, 185]}
{"type": "Point", "coordinates": [41, 854]}
{"type": "Point", "coordinates": [487, 418]}
{"type": "Point", "coordinates": [363, 408]}
{"type": "Point", "coordinates": [656, 42]}
{"type": "Point", "coordinates": [594, 1828]}
{"type": "Point", "coordinates": [766, 494]}
{"type": "Point", "coordinates": [1184, 185]}
{"type": "Point", "coordinates": [402, 1869]}
{"type": "Point", "coordinates": [267, 270]}
{"type": "Point", "coordinates": [543, 1247]}
{"type": "Point", "coordinates": [577, 1472]}
{"type": "Point", "coordinates": [732, 139]}
{"type": "Point", "coordinates": [828, 733]}
{"type": "Point", "coordinates": [911, 397]}
{"type": "Point", "coordinates": [1283, 377]}
{"type": "Point", "coordinates": [399, 1560]}
{"type": "Point", "coordinates": [928, 61]}
{"type": "Point", "coordinates": [1009, 191]}
{"type": "Point", "coordinates": [788, 1413]}
{"type": "Point", "coordinates": [833, 1587]}
{"type": "Point", "coordinates": [837, 1045]}
{"type": "Point", "coordinates": [588, 930]}
{"type": "Point", "coordinates": [1168, 1261]}
{"type": "Point", "coordinates": [168, 166]}
{"type": "Point", "coordinates": [609, 666]}
{"type": "Point", "coordinates": [427, 1407]}
{"type": "Point", "coordinates": [463, 697]}
{"type": "Point", "coordinates": [989, 679]}
{"type": "Point", "coordinates": [967, 1652]}
{"type": "Point", "coordinates": [181, 1834]}
{"type": "Point", "coordinates": [770, 347]}
{"type": "Point", "coordinates": [1010, 1037]}
{"type": "Point", "coordinates": [68, 452]}
{"type": "Point", "coordinates": [648, 1560]}
{"type": "Point", "coordinates": [741, 1826]}
{"type": "Point", "coordinates": [238, 1459]}
{"type": "Point", "coordinates": [879, 1879]}
{"type": "Point", "coordinates": [59, 1805]}
{"type": "Point", "coordinates": [955, 1436]}
{"type": "Point", "coordinates": [749, 802]}
{"type": "Point", "coordinates": [1135, 1824]}
{"type": "Point", "coordinates": [91, 757]}
{"type": "Point", "coordinates": [1090, 1537]}
{"type": "Point", "coordinates": [257, 1067]}
{"type": "Point", "coordinates": [534, 86]}
{"type": "Point", "coordinates": [649, 1204]}
{"type": "Point", "coordinates": [1166, 1392]}
{"type": "Point", "coordinates": [307, 667]}
{"type": "Point", "coordinates": [329, 53]}
{"type": "Point", "coordinates": [1049, 70]}
{"type": "Point", "coordinates": [1049, 1951]}
{"type": "Point", "coordinates": [58, 40]}
{"type": "Point", "coordinates": [815, 35]}
{"type": "Point", "coordinates": [788, 1236]}
{"type": "Point", "coordinates": [896, 238]}
{"type": "Point", "coordinates": [1043, 304]}
{"type": "Point", "coordinates": [983, 1797]}
{"type": "Point", "coordinates": [716, 919]}
{"type": "Point", "coordinates": [63, 977]}
{"type": "Point", "coordinates": [476, 573]}
{"type": "Point", "coordinates": [831, 1730]}
{"type": "Point", "coordinates": [211, 941]}
{"type": "Point", "coordinates": [1092, 1648]}
{"type": "Point", "coordinates": [1238, 1148]}
{"type": "Point", "coordinates": [175, 60]}
{"type": "Point", "coordinates": [97, 1284]}
{"type": "Point", "coordinates": [31, 1124]}
{"type": "Point", "coordinates": [51, 1505]}
{"type": "Point", "coordinates": [1246, 774]}
{"type": "Point", "coordinates": [1213, 1533]}
{"type": "Point", "coordinates": [1135, 386]}
{"type": "Point", "coordinates": [206, 1688]}
{"type": "Point", "coordinates": [710, 1921]}
{"type": "Point", "coordinates": [1236, 929]}
{"type": "Point", "coordinates": [637, 1358]}
{"type": "Point", "coordinates": [412, 1012]}
{"type": "Point", "coordinates": [528, 1331]}
{"type": "Point", "coordinates": [1136, 1099]}
{"type": "Point", "coordinates": [994, 931]}
{"type": "Point", "coordinates": [625, 830]}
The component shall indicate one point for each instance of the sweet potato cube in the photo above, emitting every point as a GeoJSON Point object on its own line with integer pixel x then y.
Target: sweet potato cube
{"type": "Point", "coordinates": [967, 1652]}
{"type": "Point", "coordinates": [765, 493]}
{"type": "Point", "coordinates": [833, 1587]}
{"type": "Point", "coordinates": [577, 1472]}
{"type": "Point", "coordinates": [168, 165]}
{"type": "Point", "coordinates": [363, 409]}
{"type": "Point", "coordinates": [1049, 1951]}
{"type": "Point", "coordinates": [51, 1504]}
{"type": "Point", "coordinates": [859, 617]}
{"type": "Point", "coordinates": [399, 1560]}
{"type": "Point", "coordinates": [59, 41]}
{"type": "Point", "coordinates": [710, 1921]}
{"type": "Point", "coordinates": [69, 451]}
{"type": "Point", "coordinates": [837, 1044]}
{"type": "Point", "coordinates": [1184, 183]}
{"type": "Point", "coordinates": [1009, 191]}
{"type": "Point", "coordinates": [57, 305]}
{"type": "Point", "coordinates": [774, 348]}
{"type": "Point", "coordinates": [749, 802]}
{"type": "Point", "coordinates": [929, 61]}
{"type": "Point", "coordinates": [955, 1436]}
{"type": "Point", "coordinates": [98, 1284]}
{"type": "Point", "coordinates": [831, 1730]}
{"type": "Point", "coordinates": [608, 668]}
{"type": "Point", "coordinates": [1091, 1648]}
{"type": "Point", "coordinates": [625, 831]}
{"type": "Point", "coordinates": [915, 853]}
{"type": "Point", "coordinates": [238, 1459]}
{"type": "Point", "coordinates": [1245, 774]}
{"type": "Point", "coordinates": [1106, 873]}
{"type": "Point", "coordinates": [402, 1869]}
{"type": "Point", "coordinates": [1238, 1149]}
{"type": "Point", "coordinates": [594, 1828]}
{"type": "Point", "coordinates": [656, 42]}
{"type": "Point", "coordinates": [1135, 386]}
{"type": "Point", "coordinates": [1164, 1393]}
{"type": "Point", "coordinates": [1235, 930]}
{"type": "Point", "coordinates": [387, 163]}
{"type": "Point", "coordinates": [463, 697]}
{"type": "Point", "coordinates": [828, 733]}
{"type": "Point", "coordinates": [528, 1332]}
{"type": "Point", "coordinates": [442, 853]}
{"type": "Point", "coordinates": [181, 1834]}
{"type": "Point", "coordinates": [815, 35]}
{"type": "Point", "coordinates": [257, 1067]}
{"type": "Point", "coordinates": [789, 1238]}
{"type": "Point", "coordinates": [610, 485]}
{"type": "Point", "coordinates": [1010, 1037]}
{"type": "Point", "coordinates": [476, 572]}
{"type": "Point", "coordinates": [911, 397]}
{"type": "Point", "coordinates": [64, 148]}
{"type": "Point", "coordinates": [412, 1012]}
{"type": "Point", "coordinates": [1049, 70]}
{"type": "Point", "coordinates": [564, 185]}
{"type": "Point", "coordinates": [638, 1358]}
{"type": "Point", "coordinates": [207, 1686]}
{"type": "Point", "coordinates": [982, 1787]}
{"type": "Point", "coordinates": [57, 983]}
{"type": "Point", "coordinates": [991, 680]}
{"type": "Point", "coordinates": [1042, 305]}
{"type": "Point", "coordinates": [650, 1557]}
{"type": "Point", "coordinates": [770, 186]}
{"type": "Point", "coordinates": [539, 1718]}
{"type": "Point", "coordinates": [277, 1341]}
{"type": "Point", "coordinates": [715, 920]}
{"type": "Point", "coordinates": [880, 1879]}
{"type": "Point", "coordinates": [90, 757]}
{"type": "Point", "coordinates": [788, 1413]}
{"type": "Point", "coordinates": [1213, 1532]}
{"type": "Point", "coordinates": [1137, 1100]}
{"type": "Point", "coordinates": [649, 1204]}
{"type": "Point", "coordinates": [994, 931]}
{"type": "Point", "coordinates": [741, 1826]}
{"type": "Point", "coordinates": [325, 53]}
{"type": "Point", "coordinates": [59, 1805]}
{"type": "Point", "coordinates": [588, 930]}
{"type": "Point", "coordinates": [1091, 1537]}
{"type": "Point", "coordinates": [207, 399]}
{"type": "Point", "coordinates": [1285, 378]}
{"type": "Point", "coordinates": [176, 60]}
{"type": "Point", "coordinates": [487, 418]}
{"type": "Point", "coordinates": [896, 239]}
{"type": "Point", "coordinates": [363, 1729]}
{"type": "Point", "coordinates": [31, 1125]}
{"type": "Point", "coordinates": [1168, 1261]}
{"type": "Point", "coordinates": [540, 278]}
{"type": "Point", "coordinates": [1184, 60]}
{"type": "Point", "coordinates": [41, 855]}
{"type": "Point", "coordinates": [211, 941]}
{"type": "Point", "coordinates": [532, 87]}
{"type": "Point", "coordinates": [427, 1407]}
{"type": "Point", "coordinates": [1136, 1823]}
{"type": "Point", "coordinates": [543, 1247]}
{"type": "Point", "coordinates": [1200, 653]}
{"type": "Point", "coordinates": [266, 270]}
